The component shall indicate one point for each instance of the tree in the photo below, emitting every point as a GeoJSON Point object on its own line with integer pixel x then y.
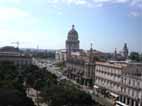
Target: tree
{"type": "Point", "coordinates": [53, 92]}
{"type": "Point", "coordinates": [8, 71]}
{"type": "Point", "coordinates": [38, 85]}
{"type": "Point", "coordinates": [12, 91]}
{"type": "Point", "coordinates": [13, 97]}
{"type": "Point", "coordinates": [65, 94]}
{"type": "Point", "coordinates": [134, 56]}
{"type": "Point", "coordinates": [141, 57]}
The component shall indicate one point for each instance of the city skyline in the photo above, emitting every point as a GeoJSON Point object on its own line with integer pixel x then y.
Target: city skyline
{"type": "Point", "coordinates": [108, 24]}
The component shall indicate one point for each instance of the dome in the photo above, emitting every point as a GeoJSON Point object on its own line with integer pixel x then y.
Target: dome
{"type": "Point", "coordinates": [73, 34]}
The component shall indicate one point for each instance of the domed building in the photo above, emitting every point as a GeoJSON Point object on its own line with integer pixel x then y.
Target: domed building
{"type": "Point", "coordinates": [72, 42]}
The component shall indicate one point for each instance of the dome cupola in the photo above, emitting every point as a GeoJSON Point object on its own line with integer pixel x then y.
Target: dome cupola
{"type": "Point", "coordinates": [72, 42]}
{"type": "Point", "coordinates": [73, 34]}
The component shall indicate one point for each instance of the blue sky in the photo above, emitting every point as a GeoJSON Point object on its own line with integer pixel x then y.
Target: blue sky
{"type": "Point", "coordinates": [108, 24]}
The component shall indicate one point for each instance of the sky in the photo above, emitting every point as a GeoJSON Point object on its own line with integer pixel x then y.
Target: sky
{"type": "Point", "coordinates": [108, 24]}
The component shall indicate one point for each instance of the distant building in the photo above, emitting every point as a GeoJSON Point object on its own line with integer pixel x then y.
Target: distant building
{"type": "Point", "coordinates": [13, 55]}
{"type": "Point", "coordinates": [115, 55]}
{"type": "Point", "coordinates": [122, 55]}
{"type": "Point", "coordinates": [72, 42]}
{"type": "Point", "coordinates": [125, 51]}
{"type": "Point", "coordinates": [60, 56]}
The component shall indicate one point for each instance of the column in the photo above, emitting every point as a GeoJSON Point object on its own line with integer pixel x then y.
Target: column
{"type": "Point", "coordinates": [120, 98]}
{"type": "Point", "coordinates": [130, 100]}
{"type": "Point", "coordinates": [74, 77]}
{"type": "Point", "coordinates": [126, 100]}
{"type": "Point", "coordinates": [123, 99]}
{"type": "Point", "coordinates": [84, 82]}
{"type": "Point", "coordinates": [134, 104]}
{"type": "Point", "coordinates": [139, 104]}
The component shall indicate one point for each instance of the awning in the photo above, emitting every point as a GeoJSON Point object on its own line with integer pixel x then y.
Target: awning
{"type": "Point", "coordinates": [113, 94]}
{"type": "Point", "coordinates": [96, 87]}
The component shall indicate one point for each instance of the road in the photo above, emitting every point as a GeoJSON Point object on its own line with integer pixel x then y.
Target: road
{"type": "Point", "coordinates": [49, 65]}
{"type": "Point", "coordinates": [56, 70]}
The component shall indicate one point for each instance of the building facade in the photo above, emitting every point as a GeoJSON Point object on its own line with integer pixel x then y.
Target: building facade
{"type": "Point", "coordinates": [14, 56]}
{"type": "Point", "coordinates": [108, 76]}
{"type": "Point", "coordinates": [131, 85]}
{"type": "Point", "coordinates": [124, 80]}
{"type": "Point", "coordinates": [125, 51]}
{"type": "Point", "coordinates": [81, 70]}
{"type": "Point", "coordinates": [60, 56]}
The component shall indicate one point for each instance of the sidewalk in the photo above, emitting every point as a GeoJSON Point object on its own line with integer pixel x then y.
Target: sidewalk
{"type": "Point", "coordinates": [33, 95]}
{"type": "Point", "coordinates": [102, 100]}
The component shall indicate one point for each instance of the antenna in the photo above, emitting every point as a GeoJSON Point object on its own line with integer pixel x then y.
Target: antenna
{"type": "Point", "coordinates": [91, 53]}
{"type": "Point", "coordinates": [91, 45]}
{"type": "Point", "coordinates": [37, 47]}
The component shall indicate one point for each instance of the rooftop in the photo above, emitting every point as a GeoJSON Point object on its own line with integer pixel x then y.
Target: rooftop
{"type": "Point", "coordinates": [116, 65]}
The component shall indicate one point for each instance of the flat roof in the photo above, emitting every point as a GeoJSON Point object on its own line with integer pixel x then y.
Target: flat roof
{"type": "Point", "coordinates": [116, 65]}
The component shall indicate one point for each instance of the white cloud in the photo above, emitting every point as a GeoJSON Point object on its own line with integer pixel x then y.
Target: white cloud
{"type": "Point", "coordinates": [100, 3]}
{"type": "Point", "coordinates": [68, 2]}
{"type": "Point", "coordinates": [135, 13]}
{"type": "Point", "coordinates": [11, 1]}
{"type": "Point", "coordinates": [110, 1]}
{"type": "Point", "coordinates": [26, 39]}
{"type": "Point", "coordinates": [7, 14]}
{"type": "Point", "coordinates": [77, 2]}
{"type": "Point", "coordinates": [16, 23]}
{"type": "Point", "coordinates": [113, 1]}
{"type": "Point", "coordinates": [135, 2]}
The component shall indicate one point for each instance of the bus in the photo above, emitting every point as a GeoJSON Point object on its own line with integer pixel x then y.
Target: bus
{"type": "Point", "coordinates": [118, 103]}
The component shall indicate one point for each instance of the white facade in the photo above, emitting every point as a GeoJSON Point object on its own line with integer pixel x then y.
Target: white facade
{"type": "Point", "coordinates": [122, 79]}
{"type": "Point", "coordinates": [132, 85]}
{"type": "Point", "coordinates": [108, 76]}
{"type": "Point", "coordinates": [16, 59]}
{"type": "Point", "coordinates": [60, 55]}
{"type": "Point", "coordinates": [14, 55]}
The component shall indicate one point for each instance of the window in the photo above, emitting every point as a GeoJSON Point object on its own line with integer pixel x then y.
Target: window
{"type": "Point", "coordinates": [129, 82]}
{"type": "Point", "coordinates": [133, 83]}
{"type": "Point", "coordinates": [132, 92]}
{"type": "Point", "coordinates": [138, 84]}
